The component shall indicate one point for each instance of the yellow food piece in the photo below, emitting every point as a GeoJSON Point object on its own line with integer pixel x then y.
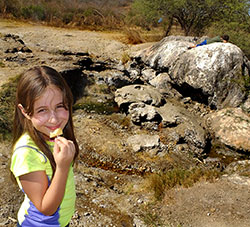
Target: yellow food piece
{"type": "Point", "coordinates": [56, 133]}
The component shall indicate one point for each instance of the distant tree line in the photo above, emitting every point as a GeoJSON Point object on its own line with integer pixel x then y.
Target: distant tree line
{"type": "Point", "coordinates": [107, 14]}
{"type": "Point", "coordinates": [193, 17]}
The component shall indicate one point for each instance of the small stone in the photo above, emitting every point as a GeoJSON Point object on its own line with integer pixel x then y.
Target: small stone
{"type": "Point", "coordinates": [86, 214]}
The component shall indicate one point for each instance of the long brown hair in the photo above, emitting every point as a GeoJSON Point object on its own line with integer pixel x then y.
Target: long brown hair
{"type": "Point", "coordinates": [30, 87]}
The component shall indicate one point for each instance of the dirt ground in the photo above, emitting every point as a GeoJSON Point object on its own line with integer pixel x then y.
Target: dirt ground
{"type": "Point", "coordinates": [106, 198]}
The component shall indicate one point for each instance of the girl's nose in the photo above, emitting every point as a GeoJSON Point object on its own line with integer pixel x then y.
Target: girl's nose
{"type": "Point", "coordinates": [53, 117]}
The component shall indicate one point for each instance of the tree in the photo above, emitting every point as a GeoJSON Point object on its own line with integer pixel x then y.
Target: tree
{"type": "Point", "coordinates": [194, 16]}
{"type": "Point", "coordinates": [235, 22]}
{"type": "Point", "coordinates": [144, 13]}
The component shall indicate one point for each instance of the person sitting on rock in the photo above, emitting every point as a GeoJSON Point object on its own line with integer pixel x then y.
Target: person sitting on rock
{"type": "Point", "coordinates": [223, 38]}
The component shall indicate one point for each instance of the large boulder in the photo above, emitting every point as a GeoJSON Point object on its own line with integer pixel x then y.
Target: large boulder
{"type": "Point", "coordinates": [213, 74]}
{"type": "Point", "coordinates": [231, 127]}
{"type": "Point", "coordinates": [164, 53]}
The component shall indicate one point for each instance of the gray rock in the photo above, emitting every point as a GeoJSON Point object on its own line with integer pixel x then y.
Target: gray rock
{"type": "Point", "coordinates": [163, 54]}
{"type": "Point", "coordinates": [116, 78]}
{"type": "Point", "coordinates": [148, 74]}
{"type": "Point", "coordinates": [231, 126]}
{"type": "Point", "coordinates": [246, 105]}
{"type": "Point", "coordinates": [162, 82]}
{"type": "Point", "coordinates": [212, 74]}
{"type": "Point", "coordinates": [184, 127]}
{"type": "Point", "coordinates": [171, 115]}
{"type": "Point", "coordinates": [240, 167]}
{"type": "Point", "coordinates": [141, 112]}
{"type": "Point", "coordinates": [138, 93]}
{"type": "Point", "coordinates": [143, 142]}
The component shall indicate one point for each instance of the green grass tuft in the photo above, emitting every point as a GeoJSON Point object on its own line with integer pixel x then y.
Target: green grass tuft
{"type": "Point", "coordinates": [161, 182]}
{"type": "Point", "coordinates": [96, 107]}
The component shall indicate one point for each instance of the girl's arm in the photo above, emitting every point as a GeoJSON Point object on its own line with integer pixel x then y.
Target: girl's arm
{"type": "Point", "coordinates": [35, 184]}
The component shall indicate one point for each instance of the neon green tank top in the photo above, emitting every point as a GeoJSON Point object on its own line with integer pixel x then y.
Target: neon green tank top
{"type": "Point", "coordinates": [28, 158]}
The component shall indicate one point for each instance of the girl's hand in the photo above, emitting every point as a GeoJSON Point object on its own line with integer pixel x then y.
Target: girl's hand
{"type": "Point", "coordinates": [64, 151]}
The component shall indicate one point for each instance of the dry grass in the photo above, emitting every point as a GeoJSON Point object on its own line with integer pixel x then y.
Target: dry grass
{"type": "Point", "coordinates": [133, 36]}
{"type": "Point", "coordinates": [160, 183]}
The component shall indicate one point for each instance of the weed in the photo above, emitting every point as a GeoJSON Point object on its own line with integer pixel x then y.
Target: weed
{"type": "Point", "coordinates": [151, 217]}
{"type": "Point", "coordinates": [34, 12]}
{"type": "Point", "coordinates": [7, 98]}
{"type": "Point", "coordinates": [129, 189]}
{"type": "Point", "coordinates": [2, 65]}
{"type": "Point", "coordinates": [96, 107]}
{"type": "Point", "coordinates": [126, 122]}
{"type": "Point", "coordinates": [99, 88]}
{"type": "Point", "coordinates": [125, 57]}
{"type": "Point", "coordinates": [161, 182]}
{"type": "Point", "coordinates": [133, 36]}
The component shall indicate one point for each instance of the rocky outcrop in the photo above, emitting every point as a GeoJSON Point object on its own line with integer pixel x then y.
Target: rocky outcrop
{"type": "Point", "coordinates": [212, 74]}
{"type": "Point", "coordinates": [145, 107]}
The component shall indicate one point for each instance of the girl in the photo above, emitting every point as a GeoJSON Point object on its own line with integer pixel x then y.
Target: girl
{"type": "Point", "coordinates": [43, 167]}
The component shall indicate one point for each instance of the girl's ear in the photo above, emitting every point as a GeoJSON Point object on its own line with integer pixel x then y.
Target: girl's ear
{"type": "Point", "coordinates": [23, 111]}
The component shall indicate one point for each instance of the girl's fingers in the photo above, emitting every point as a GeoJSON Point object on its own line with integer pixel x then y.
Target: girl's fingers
{"type": "Point", "coordinates": [64, 151]}
{"type": "Point", "coordinates": [56, 147]}
{"type": "Point", "coordinates": [61, 139]}
{"type": "Point", "coordinates": [63, 143]}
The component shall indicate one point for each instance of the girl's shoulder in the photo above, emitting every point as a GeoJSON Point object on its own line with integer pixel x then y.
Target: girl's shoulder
{"type": "Point", "coordinates": [25, 139]}
{"type": "Point", "coordinates": [27, 147]}
{"type": "Point", "coordinates": [27, 158]}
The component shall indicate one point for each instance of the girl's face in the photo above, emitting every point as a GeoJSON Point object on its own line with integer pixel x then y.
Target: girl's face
{"type": "Point", "coordinates": [49, 111]}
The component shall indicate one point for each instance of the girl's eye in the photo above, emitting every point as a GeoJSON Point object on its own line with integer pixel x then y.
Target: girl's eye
{"type": "Point", "coordinates": [41, 111]}
{"type": "Point", "coordinates": [60, 106]}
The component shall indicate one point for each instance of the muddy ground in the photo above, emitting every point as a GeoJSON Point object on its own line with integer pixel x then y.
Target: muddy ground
{"type": "Point", "coordinates": [105, 196]}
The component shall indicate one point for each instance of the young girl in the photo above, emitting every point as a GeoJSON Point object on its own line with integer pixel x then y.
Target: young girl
{"type": "Point", "coordinates": [43, 166]}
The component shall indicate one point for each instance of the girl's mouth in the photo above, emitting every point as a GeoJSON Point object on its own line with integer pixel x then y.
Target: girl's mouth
{"type": "Point", "coordinates": [53, 128]}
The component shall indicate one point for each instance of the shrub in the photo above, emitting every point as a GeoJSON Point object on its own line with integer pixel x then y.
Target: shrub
{"type": "Point", "coordinates": [34, 12]}
{"type": "Point", "coordinates": [93, 15]}
{"type": "Point", "coordinates": [133, 36]}
{"type": "Point", "coordinates": [68, 17]}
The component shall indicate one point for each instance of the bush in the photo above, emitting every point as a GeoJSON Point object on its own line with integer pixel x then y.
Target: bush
{"type": "Point", "coordinates": [34, 12]}
{"type": "Point", "coordinates": [68, 17]}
